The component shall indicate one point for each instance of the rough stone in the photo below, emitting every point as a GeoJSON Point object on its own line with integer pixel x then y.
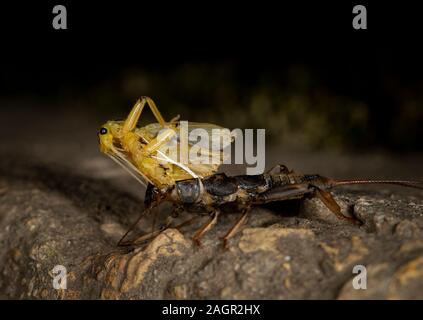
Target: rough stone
{"type": "Point", "coordinates": [62, 203]}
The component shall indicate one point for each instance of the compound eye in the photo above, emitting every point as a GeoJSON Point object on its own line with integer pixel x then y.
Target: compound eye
{"type": "Point", "coordinates": [103, 131]}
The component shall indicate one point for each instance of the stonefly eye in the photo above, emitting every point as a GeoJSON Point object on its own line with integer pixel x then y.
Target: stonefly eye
{"type": "Point", "coordinates": [103, 131]}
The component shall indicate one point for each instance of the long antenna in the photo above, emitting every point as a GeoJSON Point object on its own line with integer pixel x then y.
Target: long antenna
{"type": "Point", "coordinates": [404, 183]}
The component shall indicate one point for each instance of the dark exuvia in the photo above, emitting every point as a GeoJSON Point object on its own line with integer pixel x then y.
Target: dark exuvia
{"type": "Point", "coordinates": [222, 194]}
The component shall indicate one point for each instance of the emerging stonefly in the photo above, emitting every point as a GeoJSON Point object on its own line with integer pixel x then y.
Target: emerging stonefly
{"type": "Point", "coordinates": [140, 149]}
{"type": "Point", "coordinates": [197, 187]}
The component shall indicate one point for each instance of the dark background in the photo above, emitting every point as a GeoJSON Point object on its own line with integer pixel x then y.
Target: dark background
{"type": "Point", "coordinates": [299, 70]}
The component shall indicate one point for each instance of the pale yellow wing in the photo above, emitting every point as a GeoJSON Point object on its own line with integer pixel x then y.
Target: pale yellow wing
{"type": "Point", "coordinates": [209, 140]}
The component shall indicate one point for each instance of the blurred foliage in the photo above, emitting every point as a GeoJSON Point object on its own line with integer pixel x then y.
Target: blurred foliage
{"type": "Point", "coordinates": [297, 108]}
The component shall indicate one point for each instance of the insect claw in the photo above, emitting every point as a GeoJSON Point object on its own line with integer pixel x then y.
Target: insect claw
{"type": "Point", "coordinates": [356, 220]}
{"type": "Point", "coordinates": [175, 119]}
{"type": "Point", "coordinates": [225, 245]}
{"type": "Point", "coordinates": [197, 242]}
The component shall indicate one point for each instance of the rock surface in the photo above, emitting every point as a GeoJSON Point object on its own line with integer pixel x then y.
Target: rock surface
{"type": "Point", "coordinates": [50, 219]}
{"type": "Point", "coordinates": [62, 203]}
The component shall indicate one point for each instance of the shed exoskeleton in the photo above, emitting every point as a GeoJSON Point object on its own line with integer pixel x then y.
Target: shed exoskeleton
{"type": "Point", "coordinates": [219, 194]}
